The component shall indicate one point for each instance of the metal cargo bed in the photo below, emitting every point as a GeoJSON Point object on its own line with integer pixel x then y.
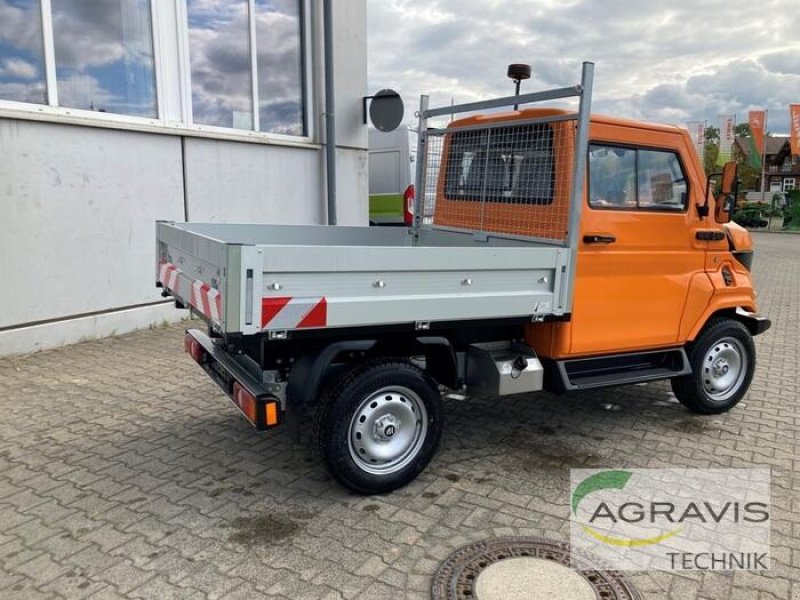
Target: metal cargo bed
{"type": "Point", "coordinates": [277, 278]}
{"type": "Point", "coordinates": [495, 236]}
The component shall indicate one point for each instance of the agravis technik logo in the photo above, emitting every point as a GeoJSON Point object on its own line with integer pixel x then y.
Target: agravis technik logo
{"type": "Point", "coordinates": [701, 519]}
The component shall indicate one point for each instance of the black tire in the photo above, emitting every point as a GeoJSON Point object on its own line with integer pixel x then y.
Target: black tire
{"type": "Point", "coordinates": [349, 432]}
{"type": "Point", "coordinates": [709, 390]}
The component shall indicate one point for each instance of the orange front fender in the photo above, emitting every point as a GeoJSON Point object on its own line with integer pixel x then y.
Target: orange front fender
{"type": "Point", "coordinates": [739, 293]}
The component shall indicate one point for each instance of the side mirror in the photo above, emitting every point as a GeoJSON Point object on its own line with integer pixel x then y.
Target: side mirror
{"type": "Point", "coordinates": [725, 204]}
{"type": "Point", "coordinates": [729, 181]}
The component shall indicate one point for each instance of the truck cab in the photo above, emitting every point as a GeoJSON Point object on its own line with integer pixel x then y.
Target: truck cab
{"type": "Point", "coordinates": [658, 259]}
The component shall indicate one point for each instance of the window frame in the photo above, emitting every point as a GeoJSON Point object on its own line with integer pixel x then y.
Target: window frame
{"type": "Point", "coordinates": [786, 180]}
{"type": "Point", "coordinates": [170, 36]}
{"type": "Point", "coordinates": [637, 148]}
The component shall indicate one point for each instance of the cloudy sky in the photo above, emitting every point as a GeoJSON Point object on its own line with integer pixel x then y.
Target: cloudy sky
{"type": "Point", "coordinates": [669, 61]}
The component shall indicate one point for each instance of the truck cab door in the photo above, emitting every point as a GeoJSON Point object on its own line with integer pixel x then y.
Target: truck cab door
{"type": "Point", "coordinates": [637, 252]}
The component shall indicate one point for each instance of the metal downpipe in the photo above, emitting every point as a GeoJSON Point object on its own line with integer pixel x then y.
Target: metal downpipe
{"type": "Point", "coordinates": [330, 112]}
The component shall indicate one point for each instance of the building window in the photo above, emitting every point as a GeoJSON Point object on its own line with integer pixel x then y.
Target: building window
{"type": "Point", "coordinates": [280, 66]}
{"type": "Point", "coordinates": [104, 56]}
{"type": "Point", "coordinates": [245, 61]}
{"type": "Point", "coordinates": [630, 179]}
{"type": "Point", "coordinates": [22, 74]}
{"type": "Point", "coordinates": [226, 59]}
{"type": "Point", "coordinates": [219, 50]}
{"type": "Point", "coordinates": [789, 184]}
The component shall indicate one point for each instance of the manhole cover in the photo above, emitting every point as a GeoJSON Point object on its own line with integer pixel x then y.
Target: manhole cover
{"type": "Point", "coordinates": [511, 568]}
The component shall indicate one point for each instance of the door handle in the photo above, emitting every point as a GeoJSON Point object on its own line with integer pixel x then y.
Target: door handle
{"type": "Point", "coordinates": [594, 238]}
{"type": "Point", "coordinates": [706, 235]}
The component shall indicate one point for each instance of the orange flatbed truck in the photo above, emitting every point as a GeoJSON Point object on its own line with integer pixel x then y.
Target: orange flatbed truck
{"type": "Point", "coordinates": [551, 250]}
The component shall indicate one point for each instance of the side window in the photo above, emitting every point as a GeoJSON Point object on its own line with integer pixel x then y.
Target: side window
{"type": "Point", "coordinates": [612, 177]}
{"type": "Point", "coordinates": [628, 178]}
{"type": "Point", "coordinates": [661, 180]}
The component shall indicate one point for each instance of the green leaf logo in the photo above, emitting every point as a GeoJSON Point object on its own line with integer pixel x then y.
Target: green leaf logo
{"type": "Point", "coordinates": [607, 480]}
{"type": "Point", "coordinates": [612, 480]}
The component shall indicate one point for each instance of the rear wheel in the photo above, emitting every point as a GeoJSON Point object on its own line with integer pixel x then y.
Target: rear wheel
{"type": "Point", "coordinates": [379, 425]}
{"type": "Point", "coordinates": [723, 360]}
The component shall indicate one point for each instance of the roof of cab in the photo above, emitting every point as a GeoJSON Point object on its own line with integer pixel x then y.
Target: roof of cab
{"type": "Point", "coordinates": [542, 113]}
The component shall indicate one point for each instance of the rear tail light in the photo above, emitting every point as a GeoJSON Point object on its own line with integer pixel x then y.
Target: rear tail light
{"type": "Point", "coordinates": [246, 402]}
{"type": "Point", "coordinates": [262, 412]}
{"type": "Point", "coordinates": [194, 349]}
{"type": "Point", "coordinates": [408, 205]}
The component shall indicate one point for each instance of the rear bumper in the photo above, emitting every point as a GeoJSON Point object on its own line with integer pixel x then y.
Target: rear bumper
{"type": "Point", "coordinates": [232, 376]}
{"type": "Point", "coordinates": [754, 322]}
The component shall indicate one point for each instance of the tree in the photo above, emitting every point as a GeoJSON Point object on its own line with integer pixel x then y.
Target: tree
{"type": "Point", "coordinates": [747, 174]}
{"type": "Point", "coordinates": [712, 135]}
{"type": "Point", "coordinates": [711, 155]}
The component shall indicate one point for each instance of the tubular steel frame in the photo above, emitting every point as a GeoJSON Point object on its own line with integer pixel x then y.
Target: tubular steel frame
{"type": "Point", "coordinates": [582, 91]}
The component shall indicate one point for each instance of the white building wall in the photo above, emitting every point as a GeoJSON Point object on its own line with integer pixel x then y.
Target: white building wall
{"type": "Point", "coordinates": [78, 202]}
{"type": "Point", "coordinates": [77, 214]}
{"type": "Point", "coordinates": [234, 182]}
{"type": "Point", "coordinates": [350, 22]}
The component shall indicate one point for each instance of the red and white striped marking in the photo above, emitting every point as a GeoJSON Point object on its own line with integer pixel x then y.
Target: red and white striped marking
{"type": "Point", "coordinates": [168, 277]}
{"type": "Point", "coordinates": [204, 298]}
{"type": "Point", "coordinates": [207, 300]}
{"type": "Point", "coordinates": [294, 313]}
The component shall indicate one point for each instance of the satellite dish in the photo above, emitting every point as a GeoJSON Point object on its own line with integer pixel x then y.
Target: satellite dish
{"type": "Point", "coordinates": [386, 110]}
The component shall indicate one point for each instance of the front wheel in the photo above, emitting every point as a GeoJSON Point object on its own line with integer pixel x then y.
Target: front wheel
{"type": "Point", "coordinates": [379, 425]}
{"type": "Point", "coordinates": [723, 360]}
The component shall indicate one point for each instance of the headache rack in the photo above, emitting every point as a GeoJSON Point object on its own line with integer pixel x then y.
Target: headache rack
{"type": "Point", "coordinates": [505, 175]}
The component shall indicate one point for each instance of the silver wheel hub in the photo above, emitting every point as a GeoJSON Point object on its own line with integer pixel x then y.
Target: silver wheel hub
{"type": "Point", "coordinates": [721, 368]}
{"type": "Point", "coordinates": [724, 369]}
{"type": "Point", "coordinates": [387, 430]}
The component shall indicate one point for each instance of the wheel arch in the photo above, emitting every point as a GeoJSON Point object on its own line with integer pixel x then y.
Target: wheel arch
{"type": "Point", "coordinates": [743, 312]}
{"type": "Point", "coordinates": [311, 373]}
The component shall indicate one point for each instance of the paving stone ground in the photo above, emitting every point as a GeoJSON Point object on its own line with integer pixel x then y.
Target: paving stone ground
{"type": "Point", "coordinates": [124, 473]}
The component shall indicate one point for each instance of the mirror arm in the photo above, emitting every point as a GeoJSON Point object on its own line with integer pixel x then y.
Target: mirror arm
{"type": "Point", "coordinates": [703, 211]}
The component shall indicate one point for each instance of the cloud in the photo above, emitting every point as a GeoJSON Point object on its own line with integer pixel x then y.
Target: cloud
{"type": "Point", "coordinates": [22, 64]}
{"type": "Point", "coordinates": [785, 61]}
{"type": "Point", "coordinates": [671, 62]}
{"type": "Point", "coordinates": [17, 68]}
{"type": "Point", "coordinates": [83, 91]}
{"type": "Point", "coordinates": [22, 92]}
{"type": "Point", "coordinates": [21, 27]}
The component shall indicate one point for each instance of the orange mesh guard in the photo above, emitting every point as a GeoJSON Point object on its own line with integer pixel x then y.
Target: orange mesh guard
{"type": "Point", "coordinates": [507, 174]}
